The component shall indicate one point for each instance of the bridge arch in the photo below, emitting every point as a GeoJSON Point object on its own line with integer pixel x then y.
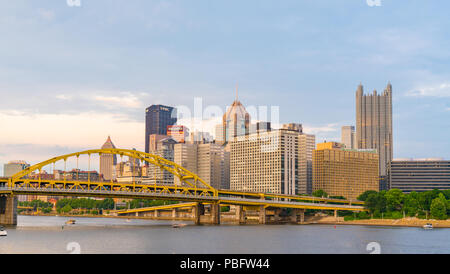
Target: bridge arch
{"type": "Point", "coordinates": [182, 173]}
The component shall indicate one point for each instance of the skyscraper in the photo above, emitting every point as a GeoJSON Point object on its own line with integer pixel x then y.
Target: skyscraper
{"type": "Point", "coordinates": [276, 161]}
{"type": "Point", "coordinates": [235, 122]}
{"type": "Point", "coordinates": [208, 160]}
{"type": "Point", "coordinates": [164, 148]}
{"type": "Point", "coordinates": [108, 161]}
{"type": "Point", "coordinates": [348, 137]}
{"type": "Point", "coordinates": [374, 124]}
{"type": "Point", "coordinates": [157, 119]}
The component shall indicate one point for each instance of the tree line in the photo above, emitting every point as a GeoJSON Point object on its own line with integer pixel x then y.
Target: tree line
{"type": "Point", "coordinates": [66, 205]}
{"type": "Point", "coordinates": [396, 204]}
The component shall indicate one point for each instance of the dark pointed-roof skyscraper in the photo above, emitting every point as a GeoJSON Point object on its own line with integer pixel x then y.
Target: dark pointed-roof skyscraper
{"type": "Point", "coordinates": [374, 124]}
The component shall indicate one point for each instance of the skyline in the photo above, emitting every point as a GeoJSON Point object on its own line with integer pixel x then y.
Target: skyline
{"type": "Point", "coordinates": [64, 66]}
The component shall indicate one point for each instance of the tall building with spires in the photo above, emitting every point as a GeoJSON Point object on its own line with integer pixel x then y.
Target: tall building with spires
{"type": "Point", "coordinates": [374, 124]}
{"type": "Point", "coordinates": [108, 161]}
{"type": "Point", "coordinates": [235, 122]}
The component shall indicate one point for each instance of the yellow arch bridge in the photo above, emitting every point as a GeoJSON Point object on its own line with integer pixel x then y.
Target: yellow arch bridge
{"type": "Point", "coordinates": [191, 189]}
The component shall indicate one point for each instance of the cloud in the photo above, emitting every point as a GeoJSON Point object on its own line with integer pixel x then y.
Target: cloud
{"type": "Point", "coordinates": [328, 132]}
{"type": "Point", "coordinates": [439, 90]}
{"type": "Point", "coordinates": [321, 129]}
{"type": "Point", "coordinates": [86, 129]}
{"type": "Point", "coordinates": [63, 97]}
{"type": "Point", "coordinates": [127, 100]}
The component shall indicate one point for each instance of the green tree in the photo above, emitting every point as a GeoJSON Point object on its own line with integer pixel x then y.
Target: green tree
{"type": "Point", "coordinates": [411, 204]}
{"type": "Point", "coordinates": [67, 208]}
{"type": "Point", "coordinates": [425, 199]}
{"type": "Point", "coordinates": [375, 202]}
{"type": "Point", "coordinates": [366, 194]}
{"type": "Point", "coordinates": [394, 199]}
{"type": "Point", "coordinates": [320, 193]}
{"type": "Point", "coordinates": [438, 209]}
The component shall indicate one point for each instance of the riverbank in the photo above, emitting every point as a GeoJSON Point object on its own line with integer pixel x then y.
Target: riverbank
{"type": "Point", "coordinates": [405, 222]}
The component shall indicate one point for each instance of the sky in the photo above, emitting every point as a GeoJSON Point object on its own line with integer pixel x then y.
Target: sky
{"type": "Point", "coordinates": [70, 75]}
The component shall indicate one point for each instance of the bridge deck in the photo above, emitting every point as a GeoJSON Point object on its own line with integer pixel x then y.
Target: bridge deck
{"type": "Point", "coordinates": [176, 197]}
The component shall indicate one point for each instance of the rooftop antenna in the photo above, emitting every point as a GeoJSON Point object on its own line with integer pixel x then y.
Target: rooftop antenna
{"type": "Point", "coordinates": [237, 85]}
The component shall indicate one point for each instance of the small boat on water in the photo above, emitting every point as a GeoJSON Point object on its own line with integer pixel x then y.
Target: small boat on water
{"type": "Point", "coordinates": [3, 231]}
{"type": "Point", "coordinates": [428, 226]}
{"type": "Point", "coordinates": [70, 222]}
{"type": "Point", "coordinates": [178, 225]}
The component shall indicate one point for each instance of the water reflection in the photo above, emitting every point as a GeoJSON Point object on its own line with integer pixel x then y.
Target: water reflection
{"type": "Point", "coordinates": [36, 234]}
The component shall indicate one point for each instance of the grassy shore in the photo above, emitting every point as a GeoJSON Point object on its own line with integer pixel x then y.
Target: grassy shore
{"type": "Point", "coordinates": [406, 222]}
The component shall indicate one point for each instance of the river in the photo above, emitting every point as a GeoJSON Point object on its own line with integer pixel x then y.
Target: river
{"type": "Point", "coordinates": [41, 234]}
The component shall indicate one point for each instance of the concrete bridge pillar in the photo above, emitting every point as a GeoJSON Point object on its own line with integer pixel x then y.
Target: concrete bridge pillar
{"type": "Point", "coordinates": [301, 215]}
{"type": "Point", "coordinates": [336, 215]}
{"type": "Point", "coordinates": [215, 214]}
{"type": "Point", "coordinates": [8, 210]}
{"type": "Point", "coordinates": [262, 215]}
{"type": "Point", "coordinates": [239, 214]}
{"type": "Point", "coordinates": [197, 211]}
{"type": "Point", "coordinates": [156, 213]}
{"type": "Point", "coordinates": [294, 216]}
{"type": "Point", "coordinates": [174, 213]}
{"type": "Point", "coordinates": [297, 215]}
{"type": "Point", "coordinates": [212, 217]}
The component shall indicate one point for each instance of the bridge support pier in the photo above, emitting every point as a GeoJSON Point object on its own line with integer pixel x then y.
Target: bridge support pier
{"type": "Point", "coordinates": [297, 216]}
{"type": "Point", "coordinates": [336, 215]}
{"type": "Point", "coordinates": [174, 213]}
{"type": "Point", "coordinates": [8, 210]}
{"type": "Point", "coordinates": [262, 215]}
{"type": "Point", "coordinates": [197, 212]}
{"type": "Point", "coordinates": [201, 218]}
{"type": "Point", "coordinates": [239, 217]}
{"type": "Point", "coordinates": [215, 214]}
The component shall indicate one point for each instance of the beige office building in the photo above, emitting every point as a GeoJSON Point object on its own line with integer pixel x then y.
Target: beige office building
{"type": "Point", "coordinates": [154, 174]}
{"type": "Point", "coordinates": [374, 124]}
{"type": "Point", "coordinates": [208, 160]}
{"type": "Point", "coordinates": [348, 137]}
{"type": "Point", "coordinates": [108, 161]}
{"type": "Point", "coordinates": [273, 161]}
{"type": "Point", "coordinates": [344, 172]}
